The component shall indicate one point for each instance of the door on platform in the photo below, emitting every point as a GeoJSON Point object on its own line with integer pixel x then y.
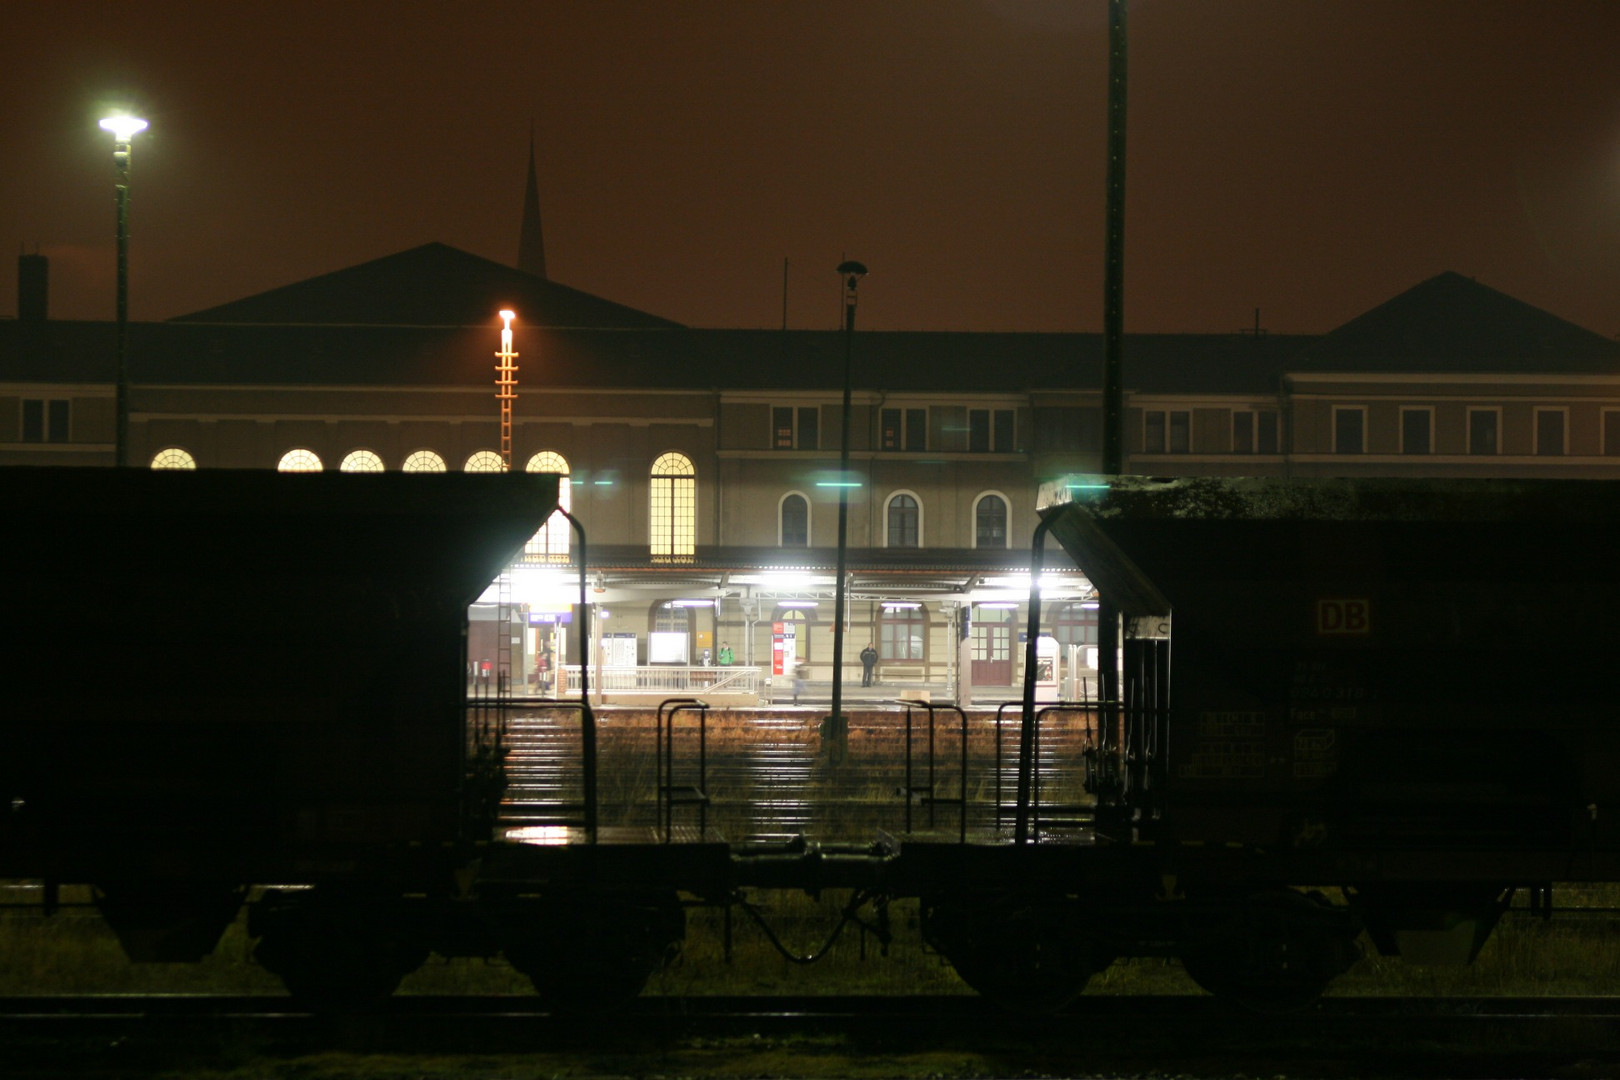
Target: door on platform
{"type": "Point", "coordinates": [992, 646]}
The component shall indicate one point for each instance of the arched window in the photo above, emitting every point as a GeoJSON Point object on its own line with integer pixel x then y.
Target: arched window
{"type": "Point", "coordinates": [361, 461]}
{"type": "Point", "coordinates": [799, 620]}
{"type": "Point", "coordinates": [902, 522]}
{"type": "Point", "coordinates": [672, 508]}
{"type": "Point", "coordinates": [423, 461]}
{"type": "Point", "coordinates": [902, 632]}
{"type": "Point", "coordinates": [484, 461]}
{"type": "Point", "coordinates": [172, 457]}
{"type": "Point", "coordinates": [552, 541]}
{"type": "Point", "coordinates": [793, 521]}
{"type": "Point", "coordinates": [299, 460]}
{"type": "Point", "coordinates": [990, 522]}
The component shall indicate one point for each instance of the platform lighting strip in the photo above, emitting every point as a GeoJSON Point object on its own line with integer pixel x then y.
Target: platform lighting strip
{"type": "Point", "coordinates": [896, 605]}
{"type": "Point", "coordinates": [798, 603]}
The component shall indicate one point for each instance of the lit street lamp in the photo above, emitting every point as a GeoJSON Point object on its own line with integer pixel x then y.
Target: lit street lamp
{"type": "Point", "coordinates": [851, 272]}
{"type": "Point", "coordinates": [123, 128]}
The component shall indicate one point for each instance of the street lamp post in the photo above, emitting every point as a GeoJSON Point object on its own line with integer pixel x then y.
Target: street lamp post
{"type": "Point", "coordinates": [124, 128]}
{"type": "Point", "coordinates": [851, 272]}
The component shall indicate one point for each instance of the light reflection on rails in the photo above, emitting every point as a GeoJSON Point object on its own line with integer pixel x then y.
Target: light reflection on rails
{"type": "Point", "coordinates": [771, 779]}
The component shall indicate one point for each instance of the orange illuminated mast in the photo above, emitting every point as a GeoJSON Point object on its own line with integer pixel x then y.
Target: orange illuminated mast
{"type": "Point", "coordinates": [506, 387]}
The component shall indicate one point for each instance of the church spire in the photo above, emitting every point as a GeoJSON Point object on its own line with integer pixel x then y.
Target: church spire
{"type": "Point", "coordinates": [531, 243]}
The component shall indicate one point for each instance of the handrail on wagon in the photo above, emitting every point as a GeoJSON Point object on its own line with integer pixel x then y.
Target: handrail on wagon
{"type": "Point", "coordinates": [588, 818]}
{"type": "Point", "coordinates": [926, 791]}
{"type": "Point", "coordinates": [671, 794]}
{"type": "Point", "coordinates": [1032, 810]}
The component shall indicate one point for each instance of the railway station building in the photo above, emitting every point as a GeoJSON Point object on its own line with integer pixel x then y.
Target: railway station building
{"type": "Point", "coordinates": [703, 463]}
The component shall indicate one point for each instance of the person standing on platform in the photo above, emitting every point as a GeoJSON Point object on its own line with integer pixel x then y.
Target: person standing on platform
{"type": "Point", "coordinates": [868, 662]}
{"type": "Point", "coordinates": [725, 656]}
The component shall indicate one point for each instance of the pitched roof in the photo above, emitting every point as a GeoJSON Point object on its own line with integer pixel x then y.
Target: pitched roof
{"type": "Point", "coordinates": [431, 285]}
{"type": "Point", "coordinates": [1452, 323]}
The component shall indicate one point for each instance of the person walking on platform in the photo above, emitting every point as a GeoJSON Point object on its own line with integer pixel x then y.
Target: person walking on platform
{"type": "Point", "coordinates": [868, 662]}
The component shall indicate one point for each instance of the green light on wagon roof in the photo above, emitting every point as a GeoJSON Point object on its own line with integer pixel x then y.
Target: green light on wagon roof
{"type": "Point", "coordinates": [1086, 487]}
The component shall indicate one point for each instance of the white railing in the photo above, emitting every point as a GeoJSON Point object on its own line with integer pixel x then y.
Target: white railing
{"type": "Point", "coordinates": [669, 679]}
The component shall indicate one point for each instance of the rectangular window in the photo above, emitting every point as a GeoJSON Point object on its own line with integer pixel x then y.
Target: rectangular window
{"type": "Point", "coordinates": [1482, 425]}
{"type": "Point", "coordinates": [1166, 431]}
{"type": "Point", "coordinates": [1254, 431]}
{"type": "Point", "coordinates": [33, 420]}
{"type": "Point", "coordinates": [1242, 432]}
{"type": "Point", "coordinates": [1153, 432]}
{"type": "Point", "coordinates": [916, 429]}
{"type": "Point", "coordinates": [990, 430]}
{"type": "Point", "coordinates": [979, 431]}
{"type": "Point", "coordinates": [1550, 432]}
{"type": "Point", "coordinates": [1265, 433]}
{"type": "Point", "coordinates": [44, 421]}
{"type": "Point", "coordinates": [1003, 431]}
{"type": "Point", "coordinates": [795, 429]}
{"type": "Point", "coordinates": [1349, 430]}
{"type": "Point", "coordinates": [1611, 433]}
{"type": "Point", "coordinates": [903, 429]}
{"type": "Point", "coordinates": [1417, 431]}
{"type": "Point", "coordinates": [1180, 432]}
{"type": "Point", "coordinates": [900, 633]}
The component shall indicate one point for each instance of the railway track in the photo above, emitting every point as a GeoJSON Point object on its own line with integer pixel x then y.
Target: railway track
{"type": "Point", "coordinates": [819, 1036]}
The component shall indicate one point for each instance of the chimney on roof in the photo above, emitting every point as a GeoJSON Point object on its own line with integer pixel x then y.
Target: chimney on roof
{"type": "Point", "coordinates": [33, 287]}
{"type": "Point", "coordinates": [531, 242]}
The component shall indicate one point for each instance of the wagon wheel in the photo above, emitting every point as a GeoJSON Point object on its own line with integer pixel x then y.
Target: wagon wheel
{"type": "Point", "coordinates": [1275, 952]}
{"type": "Point", "coordinates": [591, 954]}
{"type": "Point", "coordinates": [1025, 954]}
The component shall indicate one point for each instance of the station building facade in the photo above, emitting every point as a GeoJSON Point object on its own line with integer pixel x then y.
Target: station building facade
{"type": "Point", "coordinates": [703, 463]}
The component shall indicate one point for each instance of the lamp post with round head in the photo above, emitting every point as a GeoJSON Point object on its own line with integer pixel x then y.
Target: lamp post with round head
{"type": "Point", "coordinates": [851, 272]}
{"type": "Point", "coordinates": [124, 128]}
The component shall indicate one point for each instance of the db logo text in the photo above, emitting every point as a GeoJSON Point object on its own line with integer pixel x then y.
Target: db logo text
{"type": "Point", "coordinates": [1348, 616]}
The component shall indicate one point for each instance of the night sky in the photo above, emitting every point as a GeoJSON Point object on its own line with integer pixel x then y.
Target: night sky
{"type": "Point", "coordinates": [1310, 159]}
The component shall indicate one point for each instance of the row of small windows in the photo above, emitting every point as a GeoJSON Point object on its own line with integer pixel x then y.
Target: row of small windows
{"type": "Point", "coordinates": [1484, 427]}
{"type": "Point", "coordinates": [988, 430]}
{"type": "Point", "coordinates": [1169, 431]}
{"type": "Point", "coordinates": [902, 630]}
{"type": "Point", "coordinates": [902, 521]}
{"type": "Point", "coordinates": [299, 459]}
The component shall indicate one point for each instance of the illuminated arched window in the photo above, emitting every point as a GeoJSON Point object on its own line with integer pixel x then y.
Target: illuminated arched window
{"type": "Point", "coordinates": [672, 508]}
{"type": "Point", "coordinates": [423, 461]}
{"type": "Point", "coordinates": [484, 461]}
{"type": "Point", "coordinates": [902, 522]}
{"type": "Point", "coordinates": [552, 541]}
{"type": "Point", "coordinates": [990, 522]}
{"type": "Point", "coordinates": [361, 461]}
{"type": "Point", "coordinates": [299, 460]}
{"type": "Point", "coordinates": [793, 521]}
{"type": "Point", "coordinates": [172, 457]}
{"type": "Point", "coordinates": [799, 620]}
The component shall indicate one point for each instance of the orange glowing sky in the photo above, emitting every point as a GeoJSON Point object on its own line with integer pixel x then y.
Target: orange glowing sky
{"type": "Point", "coordinates": [1310, 159]}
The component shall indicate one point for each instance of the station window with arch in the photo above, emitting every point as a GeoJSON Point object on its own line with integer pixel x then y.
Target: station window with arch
{"type": "Point", "coordinates": [423, 461]}
{"type": "Point", "coordinates": [172, 457]}
{"type": "Point", "coordinates": [800, 620]}
{"type": "Point", "coordinates": [365, 461]}
{"type": "Point", "coordinates": [672, 508]}
{"type": "Point", "coordinates": [990, 521]}
{"type": "Point", "coordinates": [484, 461]}
{"type": "Point", "coordinates": [902, 632]}
{"type": "Point", "coordinates": [902, 521]}
{"type": "Point", "coordinates": [299, 460]}
{"type": "Point", "coordinates": [793, 521]}
{"type": "Point", "coordinates": [552, 541]}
